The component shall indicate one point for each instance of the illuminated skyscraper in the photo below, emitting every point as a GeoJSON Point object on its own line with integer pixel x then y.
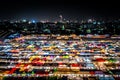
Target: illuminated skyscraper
{"type": "Point", "coordinates": [61, 18]}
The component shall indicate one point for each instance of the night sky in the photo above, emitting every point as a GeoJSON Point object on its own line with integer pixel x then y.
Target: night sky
{"type": "Point", "coordinates": [51, 9]}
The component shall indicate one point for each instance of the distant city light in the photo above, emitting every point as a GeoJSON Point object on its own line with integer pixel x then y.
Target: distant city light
{"type": "Point", "coordinates": [24, 20]}
{"type": "Point", "coordinates": [89, 20]}
{"type": "Point", "coordinates": [99, 23]}
{"type": "Point", "coordinates": [94, 22]}
{"type": "Point", "coordinates": [33, 21]}
{"type": "Point", "coordinates": [29, 22]}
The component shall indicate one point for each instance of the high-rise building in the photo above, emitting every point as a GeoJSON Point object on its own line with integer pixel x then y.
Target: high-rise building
{"type": "Point", "coordinates": [61, 18]}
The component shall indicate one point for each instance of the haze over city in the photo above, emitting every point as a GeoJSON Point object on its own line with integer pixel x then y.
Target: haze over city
{"type": "Point", "coordinates": [51, 9]}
